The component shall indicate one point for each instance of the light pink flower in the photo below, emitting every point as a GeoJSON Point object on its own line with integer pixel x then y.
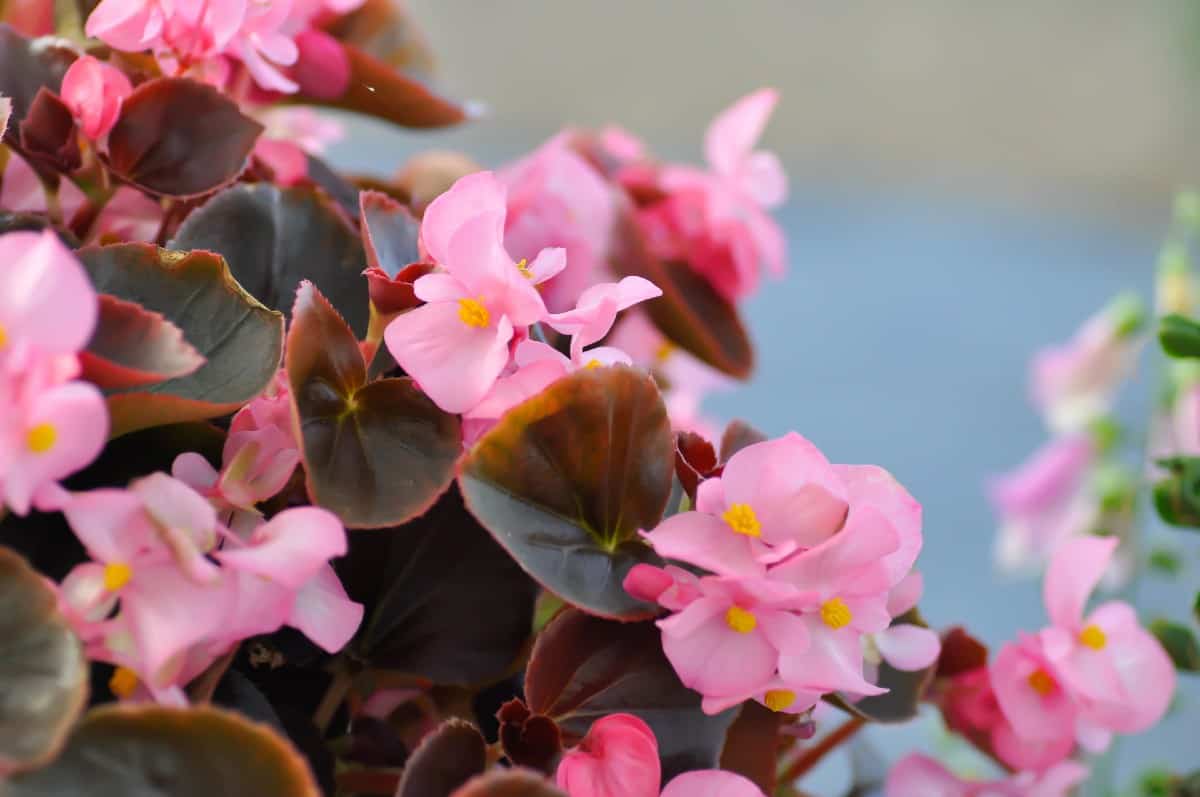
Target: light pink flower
{"type": "Point", "coordinates": [556, 199]}
{"type": "Point", "coordinates": [1075, 383]}
{"type": "Point", "coordinates": [457, 344]}
{"type": "Point", "coordinates": [129, 216]}
{"type": "Point", "coordinates": [711, 783]}
{"type": "Point", "coordinates": [918, 775]}
{"type": "Point", "coordinates": [597, 308]}
{"type": "Point", "coordinates": [94, 91]}
{"type": "Point", "coordinates": [1044, 502]}
{"type": "Point", "coordinates": [773, 499]}
{"type": "Point", "coordinates": [1117, 672]}
{"type": "Point", "coordinates": [22, 192]}
{"type": "Point", "coordinates": [1030, 693]}
{"type": "Point", "coordinates": [905, 646]}
{"type": "Point", "coordinates": [617, 758]}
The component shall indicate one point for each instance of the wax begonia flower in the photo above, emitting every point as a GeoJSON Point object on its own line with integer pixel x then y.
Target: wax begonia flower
{"type": "Point", "coordinates": [22, 192]}
{"type": "Point", "coordinates": [1044, 502]}
{"type": "Point", "coordinates": [596, 311]}
{"type": "Point", "coordinates": [1074, 383]}
{"type": "Point", "coordinates": [905, 646]}
{"type": "Point", "coordinates": [772, 499]}
{"type": "Point", "coordinates": [711, 783]}
{"type": "Point", "coordinates": [457, 345]}
{"type": "Point", "coordinates": [1117, 672]}
{"type": "Point", "coordinates": [556, 199]}
{"type": "Point", "coordinates": [918, 775]}
{"type": "Point", "coordinates": [617, 758]}
{"type": "Point", "coordinates": [1031, 694]}
{"type": "Point", "coordinates": [94, 91]}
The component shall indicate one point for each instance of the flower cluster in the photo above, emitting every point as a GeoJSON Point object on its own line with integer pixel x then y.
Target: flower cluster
{"type": "Point", "coordinates": [807, 565]}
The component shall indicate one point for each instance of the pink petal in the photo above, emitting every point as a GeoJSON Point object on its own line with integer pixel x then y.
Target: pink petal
{"type": "Point", "coordinates": [548, 263]}
{"type": "Point", "coordinates": [711, 783]}
{"type": "Point", "coordinates": [918, 775]}
{"type": "Point", "coordinates": [712, 658]}
{"type": "Point", "coordinates": [473, 195]}
{"type": "Point", "coordinates": [849, 562]}
{"type": "Point", "coordinates": [617, 758]}
{"type": "Point", "coordinates": [1033, 715]}
{"type": "Point", "coordinates": [704, 541]}
{"type": "Point", "coordinates": [291, 547]}
{"type": "Point", "coordinates": [908, 647]}
{"type": "Point", "coordinates": [904, 596]}
{"type": "Point", "coordinates": [46, 297]}
{"type": "Point", "coordinates": [94, 91]}
{"type": "Point", "coordinates": [870, 484]}
{"type": "Point", "coordinates": [647, 582]}
{"type": "Point", "coordinates": [1074, 571]}
{"type": "Point", "coordinates": [194, 471]}
{"type": "Point", "coordinates": [109, 523]}
{"type": "Point", "coordinates": [455, 364]}
{"type": "Point", "coordinates": [598, 306]}
{"type": "Point", "coordinates": [832, 663]}
{"type": "Point", "coordinates": [324, 613]}
{"type": "Point", "coordinates": [176, 506]}
{"type": "Point", "coordinates": [763, 179]}
{"type": "Point", "coordinates": [439, 287]}
{"type": "Point", "coordinates": [733, 134]}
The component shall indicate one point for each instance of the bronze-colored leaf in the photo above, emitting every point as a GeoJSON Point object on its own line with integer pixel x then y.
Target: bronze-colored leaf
{"type": "Point", "coordinates": [510, 783]}
{"type": "Point", "coordinates": [448, 757]}
{"type": "Point", "coordinates": [133, 347]}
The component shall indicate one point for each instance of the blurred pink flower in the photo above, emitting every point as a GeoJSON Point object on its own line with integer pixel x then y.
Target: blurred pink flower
{"type": "Point", "coordinates": [918, 775]}
{"type": "Point", "coordinates": [711, 783]}
{"type": "Point", "coordinates": [94, 91]}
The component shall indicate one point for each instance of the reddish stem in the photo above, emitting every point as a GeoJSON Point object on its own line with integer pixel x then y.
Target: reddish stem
{"type": "Point", "coordinates": [812, 756]}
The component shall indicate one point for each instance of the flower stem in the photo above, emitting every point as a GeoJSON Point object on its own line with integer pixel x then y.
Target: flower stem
{"type": "Point", "coordinates": [812, 756]}
{"type": "Point", "coordinates": [334, 695]}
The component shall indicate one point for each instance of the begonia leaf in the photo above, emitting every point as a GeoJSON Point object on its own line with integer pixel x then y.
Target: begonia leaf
{"type": "Point", "coordinates": [690, 313]}
{"type": "Point", "coordinates": [43, 672]}
{"type": "Point", "coordinates": [695, 461]}
{"type": "Point", "coordinates": [509, 783]}
{"type": "Point", "coordinates": [389, 232]}
{"type": "Point", "coordinates": [378, 454]}
{"type": "Point", "coordinates": [180, 138]}
{"type": "Point", "coordinates": [133, 347]}
{"type": "Point", "coordinates": [273, 238]}
{"type": "Point", "coordinates": [565, 480]}
{"type": "Point", "coordinates": [738, 435]}
{"type": "Point", "coordinates": [528, 739]}
{"type": "Point", "coordinates": [122, 750]}
{"type": "Point", "coordinates": [240, 339]}
{"type": "Point", "coordinates": [1180, 643]}
{"type": "Point", "coordinates": [387, 31]}
{"type": "Point", "coordinates": [583, 668]}
{"type": "Point", "coordinates": [25, 70]}
{"type": "Point", "coordinates": [906, 689]}
{"type": "Point", "coordinates": [443, 599]}
{"type": "Point", "coordinates": [47, 133]}
{"type": "Point", "coordinates": [752, 745]}
{"type": "Point", "coordinates": [448, 757]}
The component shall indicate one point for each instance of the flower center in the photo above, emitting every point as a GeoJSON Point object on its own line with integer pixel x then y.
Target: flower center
{"type": "Point", "coordinates": [1041, 682]}
{"type": "Point", "coordinates": [664, 351]}
{"type": "Point", "coordinates": [116, 575]}
{"type": "Point", "coordinates": [835, 613]}
{"type": "Point", "coordinates": [472, 313]}
{"type": "Point", "coordinates": [523, 267]}
{"type": "Point", "coordinates": [740, 620]}
{"type": "Point", "coordinates": [592, 364]}
{"type": "Point", "coordinates": [41, 438]}
{"type": "Point", "coordinates": [742, 520]}
{"type": "Point", "coordinates": [123, 682]}
{"type": "Point", "coordinates": [3, 336]}
{"type": "Point", "coordinates": [1094, 637]}
{"type": "Point", "coordinates": [779, 699]}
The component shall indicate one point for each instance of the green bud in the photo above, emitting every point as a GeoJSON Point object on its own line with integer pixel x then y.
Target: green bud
{"type": "Point", "coordinates": [1128, 314]}
{"type": "Point", "coordinates": [1106, 434]}
{"type": "Point", "coordinates": [1114, 485]}
{"type": "Point", "coordinates": [1177, 497]}
{"type": "Point", "coordinates": [1180, 336]}
{"type": "Point", "coordinates": [1165, 561]}
{"type": "Point", "coordinates": [1180, 644]}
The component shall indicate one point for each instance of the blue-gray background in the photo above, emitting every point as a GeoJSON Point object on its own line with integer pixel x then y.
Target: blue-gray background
{"type": "Point", "coordinates": [968, 182]}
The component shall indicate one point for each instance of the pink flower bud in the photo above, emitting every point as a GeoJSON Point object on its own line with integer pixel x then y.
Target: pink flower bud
{"type": "Point", "coordinates": [94, 91]}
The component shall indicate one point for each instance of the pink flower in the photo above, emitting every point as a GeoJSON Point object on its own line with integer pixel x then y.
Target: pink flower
{"type": "Point", "coordinates": [322, 69]}
{"type": "Point", "coordinates": [457, 344]}
{"type": "Point", "coordinates": [556, 199]}
{"type": "Point", "coordinates": [129, 216]}
{"type": "Point", "coordinates": [1044, 502]}
{"type": "Point", "coordinates": [94, 91]}
{"type": "Point", "coordinates": [711, 783]}
{"type": "Point", "coordinates": [1074, 383]}
{"type": "Point", "coordinates": [918, 775]}
{"type": "Point", "coordinates": [1117, 672]}
{"type": "Point", "coordinates": [905, 646]}
{"type": "Point", "coordinates": [22, 192]}
{"type": "Point", "coordinates": [597, 309]}
{"type": "Point", "coordinates": [617, 758]}
{"type": "Point", "coordinates": [1031, 695]}
{"type": "Point", "coordinates": [773, 499]}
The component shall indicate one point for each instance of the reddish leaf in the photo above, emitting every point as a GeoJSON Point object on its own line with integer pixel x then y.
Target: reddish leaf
{"type": "Point", "coordinates": [446, 759]}
{"type": "Point", "coordinates": [47, 133]}
{"type": "Point", "coordinates": [376, 89]}
{"type": "Point", "coordinates": [180, 138]}
{"type": "Point", "coordinates": [134, 347]}
{"type": "Point", "coordinates": [377, 454]}
{"type": "Point", "coordinates": [695, 461]}
{"type": "Point", "coordinates": [510, 783]}
{"type": "Point", "coordinates": [738, 435]}
{"type": "Point", "coordinates": [529, 740]}
{"type": "Point", "coordinates": [961, 653]}
{"type": "Point", "coordinates": [25, 71]}
{"type": "Point", "coordinates": [43, 671]}
{"type": "Point", "coordinates": [752, 745]}
{"type": "Point", "coordinates": [192, 752]}
{"type": "Point", "coordinates": [393, 295]}
{"type": "Point", "coordinates": [689, 313]}
{"type": "Point", "coordinates": [389, 232]}
{"type": "Point", "coordinates": [566, 479]}
{"type": "Point", "coordinates": [385, 30]}
{"type": "Point", "coordinates": [583, 668]}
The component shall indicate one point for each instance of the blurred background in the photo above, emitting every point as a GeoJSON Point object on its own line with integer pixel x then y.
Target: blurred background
{"type": "Point", "coordinates": [968, 182]}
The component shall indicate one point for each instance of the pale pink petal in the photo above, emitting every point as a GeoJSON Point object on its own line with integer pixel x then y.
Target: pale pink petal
{"type": "Point", "coordinates": [194, 470]}
{"type": "Point", "coordinates": [833, 661]}
{"type": "Point", "coordinates": [478, 194]}
{"type": "Point", "coordinates": [1059, 780]}
{"type": "Point", "coordinates": [704, 541]}
{"type": "Point", "coordinates": [908, 647]}
{"type": "Point", "coordinates": [523, 384]}
{"type": "Point", "coordinates": [178, 508]}
{"type": "Point", "coordinates": [548, 264]}
{"type": "Point", "coordinates": [712, 658]}
{"type": "Point", "coordinates": [617, 758]}
{"type": "Point", "coordinates": [439, 287]}
{"type": "Point", "coordinates": [1038, 709]}
{"type": "Point", "coordinates": [324, 613]}
{"type": "Point", "coordinates": [291, 547]}
{"type": "Point", "coordinates": [109, 523]}
{"type": "Point", "coordinates": [904, 596]}
{"type": "Point", "coordinates": [711, 783]}
{"type": "Point", "coordinates": [870, 484]}
{"type": "Point", "coordinates": [598, 306]}
{"type": "Point", "coordinates": [1074, 571]}
{"type": "Point", "coordinates": [918, 775]}
{"type": "Point", "coordinates": [46, 297]}
{"type": "Point", "coordinates": [849, 562]}
{"type": "Point", "coordinates": [732, 135]}
{"type": "Point", "coordinates": [763, 179]}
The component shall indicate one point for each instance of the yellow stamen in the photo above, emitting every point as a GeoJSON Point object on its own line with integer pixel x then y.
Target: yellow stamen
{"type": "Point", "coordinates": [593, 363]}
{"type": "Point", "coordinates": [123, 682]}
{"type": "Point", "coordinates": [740, 620]}
{"type": "Point", "coordinates": [41, 438]}
{"type": "Point", "coordinates": [835, 613]}
{"type": "Point", "coordinates": [664, 350]}
{"type": "Point", "coordinates": [1094, 637]}
{"type": "Point", "coordinates": [742, 520]}
{"type": "Point", "coordinates": [116, 575]}
{"type": "Point", "coordinates": [779, 699]}
{"type": "Point", "coordinates": [3, 336]}
{"type": "Point", "coordinates": [523, 267]}
{"type": "Point", "coordinates": [472, 313]}
{"type": "Point", "coordinates": [1041, 682]}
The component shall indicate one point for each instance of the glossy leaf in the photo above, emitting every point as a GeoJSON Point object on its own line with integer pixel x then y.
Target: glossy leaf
{"type": "Point", "coordinates": [510, 783]}
{"type": "Point", "coordinates": [133, 347]}
{"type": "Point", "coordinates": [566, 479]}
{"type": "Point", "coordinates": [1177, 497]}
{"type": "Point", "coordinates": [43, 671]}
{"type": "Point", "coordinates": [25, 70]}
{"type": "Point", "coordinates": [444, 601]}
{"type": "Point", "coordinates": [695, 461]}
{"type": "Point", "coordinates": [906, 689]}
{"type": "Point", "coordinates": [378, 454]}
{"type": "Point", "coordinates": [447, 758]}
{"type": "Point", "coordinates": [180, 138]}
{"type": "Point", "coordinates": [122, 750]}
{"type": "Point", "coordinates": [389, 232]}
{"type": "Point", "coordinates": [960, 653]}
{"type": "Point", "coordinates": [583, 668]}
{"type": "Point", "coordinates": [738, 435]}
{"type": "Point", "coordinates": [752, 745]}
{"type": "Point", "coordinates": [689, 313]}
{"type": "Point", "coordinates": [273, 238]}
{"type": "Point", "coordinates": [48, 131]}
{"type": "Point", "coordinates": [239, 338]}
{"type": "Point", "coordinates": [376, 89]}
{"type": "Point", "coordinates": [1179, 642]}
{"type": "Point", "coordinates": [528, 739]}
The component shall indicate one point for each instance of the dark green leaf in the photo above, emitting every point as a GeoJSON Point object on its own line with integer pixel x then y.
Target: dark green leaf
{"type": "Point", "coordinates": [447, 758]}
{"type": "Point", "coordinates": [565, 481]}
{"type": "Point", "coordinates": [1179, 335]}
{"type": "Point", "coordinates": [583, 668]}
{"type": "Point", "coordinates": [445, 601]}
{"type": "Point", "coordinates": [43, 672]}
{"type": "Point", "coordinates": [273, 238]}
{"type": "Point", "coordinates": [180, 138]}
{"type": "Point", "coordinates": [1177, 497]}
{"type": "Point", "coordinates": [131, 751]}
{"type": "Point", "coordinates": [240, 339]}
{"type": "Point", "coordinates": [378, 454]}
{"type": "Point", "coordinates": [906, 689]}
{"type": "Point", "coordinates": [1165, 562]}
{"type": "Point", "coordinates": [134, 347]}
{"type": "Point", "coordinates": [510, 783]}
{"type": "Point", "coordinates": [389, 232]}
{"type": "Point", "coordinates": [1180, 644]}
